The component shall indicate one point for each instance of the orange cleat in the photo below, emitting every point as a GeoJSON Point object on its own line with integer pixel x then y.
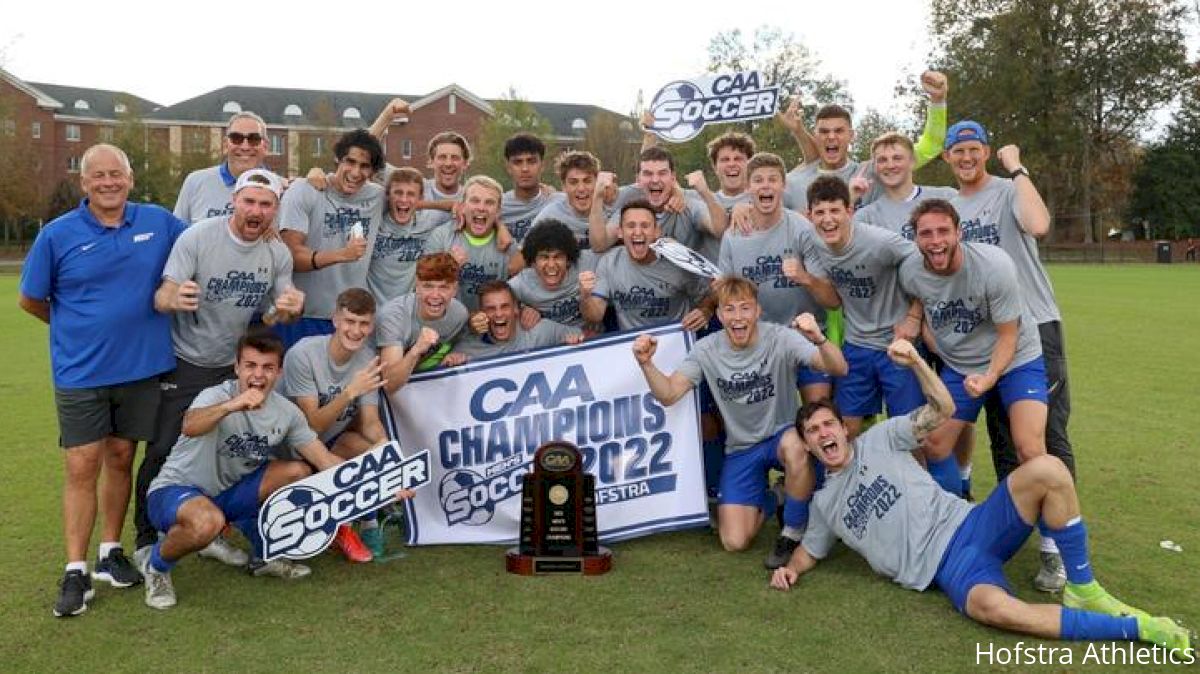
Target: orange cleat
{"type": "Point", "coordinates": [351, 545]}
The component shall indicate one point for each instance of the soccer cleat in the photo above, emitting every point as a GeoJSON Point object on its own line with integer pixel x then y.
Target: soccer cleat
{"type": "Point", "coordinates": [781, 553]}
{"type": "Point", "coordinates": [160, 592]}
{"type": "Point", "coordinates": [373, 539]}
{"type": "Point", "coordinates": [1164, 632]}
{"type": "Point", "coordinates": [278, 568]}
{"type": "Point", "coordinates": [1052, 576]}
{"type": "Point", "coordinates": [351, 545]}
{"type": "Point", "coordinates": [75, 591]}
{"type": "Point", "coordinates": [224, 552]}
{"type": "Point", "coordinates": [1092, 597]}
{"type": "Point", "coordinates": [141, 555]}
{"type": "Point", "coordinates": [117, 570]}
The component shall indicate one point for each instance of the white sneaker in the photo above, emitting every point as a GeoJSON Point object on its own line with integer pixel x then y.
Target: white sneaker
{"type": "Point", "coordinates": [224, 552]}
{"type": "Point", "coordinates": [1051, 576]}
{"type": "Point", "coordinates": [160, 593]}
{"type": "Point", "coordinates": [279, 568]}
{"type": "Point", "coordinates": [141, 555]}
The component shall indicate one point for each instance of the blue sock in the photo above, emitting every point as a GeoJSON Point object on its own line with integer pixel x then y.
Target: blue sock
{"type": "Point", "coordinates": [1080, 625]}
{"type": "Point", "coordinates": [945, 473]}
{"type": "Point", "coordinates": [1072, 544]}
{"type": "Point", "coordinates": [249, 529]}
{"type": "Point", "coordinates": [795, 513]}
{"type": "Point", "coordinates": [714, 459]}
{"type": "Point", "coordinates": [157, 562]}
{"type": "Point", "coordinates": [965, 485]}
{"type": "Point", "coordinates": [769, 504]}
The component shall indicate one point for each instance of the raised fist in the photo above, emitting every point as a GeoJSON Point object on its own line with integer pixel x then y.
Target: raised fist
{"type": "Point", "coordinates": [644, 347]}
{"type": "Point", "coordinates": [935, 85]}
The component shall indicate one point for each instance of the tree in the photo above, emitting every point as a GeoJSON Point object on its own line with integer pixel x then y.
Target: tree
{"type": "Point", "coordinates": [1070, 81]}
{"type": "Point", "coordinates": [615, 141]}
{"type": "Point", "coordinates": [158, 173]}
{"type": "Point", "coordinates": [512, 115]}
{"type": "Point", "coordinates": [316, 146]}
{"type": "Point", "coordinates": [867, 128]}
{"type": "Point", "coordinates": [20, 196]}
{"type": "Point", "coordinates": [1167, 183]}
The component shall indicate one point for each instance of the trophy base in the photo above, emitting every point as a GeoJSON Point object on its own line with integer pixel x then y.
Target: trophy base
{"type": "Point", "coordinates": [533, 565]}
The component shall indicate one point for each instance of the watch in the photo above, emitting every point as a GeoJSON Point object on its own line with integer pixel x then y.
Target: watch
{"type": "Point", "coordinates": [1019, 171]}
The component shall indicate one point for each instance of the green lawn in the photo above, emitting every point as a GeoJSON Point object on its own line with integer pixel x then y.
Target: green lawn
{"type": "Point", "coordinates": [673, 602]}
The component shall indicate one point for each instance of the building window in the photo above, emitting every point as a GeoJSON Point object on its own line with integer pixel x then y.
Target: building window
{"type": "Point", "coordinates": [351, 113]}
{"type": "Point", "coordinates": [579, 124]}
{"type": "Point", "coordinates": [318, 146]}
{"type": "Point", "coordinates": [453, 104]}
{"type": "Point", "coordinates": [82, 105]}
{"type": "Point", "coordinates": [276, 144]}
{"type": "Point", "coordinates": [37, 129]}
{"type": "Point", "coordinates": [73, 132]}
{"type": "Point", "coordinates": [120, 108]}
{"type": "Point", "coordinates": [73, 165]}
{"type": "Point", "coordinates": [106, 134]}
{"type": "Point", "coordinates": [197, 140]}
{"type": "Point", "coordinates": [231, 107]}
{"type": "Point", "coordinates": [10, 127]}
{"type": "Point", "coordinates": [292, 110]}
{"type": "Point", "coordinates": [406, 149]}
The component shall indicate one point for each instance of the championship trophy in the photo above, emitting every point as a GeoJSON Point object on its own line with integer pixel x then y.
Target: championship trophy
{"type": "Point", "coordinates": [558, 518]}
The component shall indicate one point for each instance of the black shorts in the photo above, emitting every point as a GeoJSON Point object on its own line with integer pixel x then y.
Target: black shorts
{"type": "Point", "coordinates": [86, 415]}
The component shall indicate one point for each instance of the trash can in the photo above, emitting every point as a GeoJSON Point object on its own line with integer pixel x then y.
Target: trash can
{"type": "Point", "coordinates": [1163, 248]}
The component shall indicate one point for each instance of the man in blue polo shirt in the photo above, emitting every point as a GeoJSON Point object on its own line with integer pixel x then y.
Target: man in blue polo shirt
{"type": "Point", "coordinates": [208, 193]}
{"type": "Point", "coordinates": [91, 275]}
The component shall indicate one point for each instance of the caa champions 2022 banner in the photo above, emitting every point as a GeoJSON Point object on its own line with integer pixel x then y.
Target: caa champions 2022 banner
{"type": "Point", "coordinates": [482, 423]}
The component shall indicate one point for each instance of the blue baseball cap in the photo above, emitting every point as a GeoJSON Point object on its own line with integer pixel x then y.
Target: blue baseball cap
{"type": "Point", "coordinates": [964, 131]}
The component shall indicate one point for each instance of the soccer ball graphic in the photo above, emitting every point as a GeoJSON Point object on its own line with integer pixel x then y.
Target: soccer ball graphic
{"type": "Point", "coordinates": [681, 91]}
{"type": "Point", "coordinates": [298, 498]}
{"type": "Point", "coordinates": [460, 480]}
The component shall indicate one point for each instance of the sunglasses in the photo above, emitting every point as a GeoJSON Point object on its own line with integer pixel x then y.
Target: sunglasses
{"type": "Point", "coordinates": [236, 138]}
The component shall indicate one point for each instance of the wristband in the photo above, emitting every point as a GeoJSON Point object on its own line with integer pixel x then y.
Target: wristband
{"type": "Point", "coordinates": [821, 343]}
{"type": "Point", "coordinates": [313, 261]}
{"type": "Point", "coordinates": [1019, 171]}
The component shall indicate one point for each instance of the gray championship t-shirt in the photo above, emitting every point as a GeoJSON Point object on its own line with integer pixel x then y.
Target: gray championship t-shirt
{"type": "Point", "coordinates": [893, 215]}
{"type": "Point", "coordinates": [393, 267]}
{"type": "Point", "coordinates": [518, 214]}
{"type": "Point", "coordinates": [797, 181]}
{"type": "Point", "coordinates": [543, 334]}
{"type": "Point", "coordinates": [754, 387]}
{"type": "Point", "coordinates": [309, 372]}
{"type": "Point", "coordinates": [204, 194]}
{"type": "Point", "coordinates": [484, 263]}
{"type": "Point", "coordinates": [326, 218]}
{"type": "Point", "coordinates": [649, 294]}
{"type": "Point", "coordinates": [235, 278]}
{"type": "Point", "coordinates": [237, 445]}
{"type": "Point", "coordinates": [865, 275]}
{"type": "Point", "coordinates": [558, 207]}
{"type": "Point", "coordinates": [963, 309]}
{"type": "Point", "coordinates": [887, 508]}
{"type": "Point", "coordinates": [990, 216]}
{"type": "Point", "coordinates": [398, 323]}
{"type": "Point", "coordinates": [758, 257]}
{"type": "Point", "coordinates": [560, 304]}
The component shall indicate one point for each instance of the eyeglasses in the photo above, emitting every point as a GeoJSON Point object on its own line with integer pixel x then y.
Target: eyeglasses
{"type": "Point", "coordinates": [236, 138]}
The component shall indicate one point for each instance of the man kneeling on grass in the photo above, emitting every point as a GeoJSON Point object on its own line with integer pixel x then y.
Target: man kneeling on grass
{"type": "Point", "coordinates": [223, 467]}
{"type": "Point", "coordinates": [882, 504]}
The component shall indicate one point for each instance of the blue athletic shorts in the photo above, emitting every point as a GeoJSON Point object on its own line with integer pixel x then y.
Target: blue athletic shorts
{"type": "Point", "coordinates": [874, 379]}
{"type": "Point", "coordinates": [805, 375]}
{"type": "Point", "coordinates": [990, 535]}
{"type": "Point", "coordinates": [291, 333]}
{"type": "Point", "coordinates": [744, 474]}
{"type": "Point", "coordinates": [1027, 382]}
{"type": "Point", "coordinates": [237, 503]}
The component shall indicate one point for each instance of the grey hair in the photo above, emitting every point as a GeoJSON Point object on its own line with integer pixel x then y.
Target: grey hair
{"type": "Point", "coordinates": [98, 147]}
{"type": "Point", "coordinates": [246, 114]}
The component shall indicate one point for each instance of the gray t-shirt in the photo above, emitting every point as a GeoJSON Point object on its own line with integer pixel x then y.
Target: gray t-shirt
{"type": "Point", "coordinates": [887, 508]}
{"type": "Point", "coordinates": [795, 189]}
{"type": "Point", "coordinates": [646, 294]}
{"type": "Point", "coordinates": [393, 267]}
{"type": "Point", "coordinates": [484, 263]}
{"type": "Point", "coordinates": [759, 257]}
{"type": "Point", "coordinates": [558, 207]}
{"type": "Point", "coordinates": [990, 216]}
{"type": "Point", "coordinates": [432, 193]}
{"type": "Point", "coordinates": [237, 445]}
{"type": "Point", "coordinates": [543, 334]}
{"type": "Point", "coordinates": [235, 278]}
{"type": "Point", "coordinates": [864, 273]}
{"type": "Point", "coordinates": [893, 215]}
{"type": "Point", "coordinates": [326, 219]}
{"type": "Point", "coordinates": [309, 372]}
{"type": "Point", "coordinates": [518, 215]}
{"type": "Point", "coordinates": [754, 387]}
{"type": "Point", "coordinates": [560, 304]}
{"type": "Point", "coordinates": [204, 194]}
{"type": "Point", "coordinates": [962, 309]}
{"type": "Point", "coordinates": [398, 322]}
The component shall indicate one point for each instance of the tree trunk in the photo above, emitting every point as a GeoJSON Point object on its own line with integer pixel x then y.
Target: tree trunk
{"type": "Point", "coordinates": [1089, 234]}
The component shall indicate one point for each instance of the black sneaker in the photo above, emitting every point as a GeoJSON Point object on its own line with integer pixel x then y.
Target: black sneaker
{"type": "Point", "coordinates": [781, 553]}
{"type": "Point", "coordinates": [117, 570]}
{"type": "Point", "coordinates": [75, 591]}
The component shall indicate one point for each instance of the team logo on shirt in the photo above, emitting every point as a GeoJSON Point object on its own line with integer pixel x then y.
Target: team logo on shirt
{"type": "Point", "coordinates": [869, 501]}
{"type": "Point", "coordinates": [747, 387]}
{"type": "Point", "coordinates": [642, 300]}
{"type": "Point", "coordinates": [405, 248]}
{"type": "Point", "coordinates": [851, 285]}
{"type": "Point", "coordinates": [955, 314]}
{"type": "Point", "coordinates": [241, 284]}
{"type": "Point", "coordinates": [683, 107]}
{"type": "Point", "coordinates": [767, 270]}
{"type": "Point", "coordinates": [247, 445]}
{"type": "Point", "coordinates": [977, 231]}
{"type": "Point", "coordinates": [340, 222]}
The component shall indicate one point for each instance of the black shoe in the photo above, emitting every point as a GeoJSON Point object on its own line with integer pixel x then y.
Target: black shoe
{"type": "Point", "coordinates": [75, 591]}
{"type": "Point", "coordinates": [117, 570]}
{"type": "Point", "coordinates": [781, 553]}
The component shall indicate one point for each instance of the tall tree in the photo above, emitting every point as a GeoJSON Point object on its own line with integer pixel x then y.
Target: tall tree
{"type": "Point", "coordinates": [20, 197]}
{"type": "Point", "coordinates": [513, 115]}
{"type": "Point", "coordinates": [614, 140]}
{"type": "Point", "coordinates": [1166, 187]}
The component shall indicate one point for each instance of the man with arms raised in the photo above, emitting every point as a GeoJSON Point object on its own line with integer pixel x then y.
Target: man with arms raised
{"type": "Point", "coordinates": [218, 275]}
{"type": "Point", "coordinates": [893, 160]}
{"type": "Point", "coordinates": [878, 501]}
{"type": "Point", "coordinates": [416, 331]}
{"type": "Point", "coordinates": [504, 333]}
{"type": "Point", "coordinates": [208, 193]}
{"type": "Point", "coordinates": [477, 246]}
{"type": "Point", "coordinates": [90, 276]}
{"type": "Point", "coordinates": [403, 235]}
{"type": "Point", "coordinates": [750, 366]}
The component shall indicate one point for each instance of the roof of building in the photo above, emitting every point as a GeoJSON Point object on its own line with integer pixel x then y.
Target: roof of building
{"type": "Point", "coordinates": [93, 103]}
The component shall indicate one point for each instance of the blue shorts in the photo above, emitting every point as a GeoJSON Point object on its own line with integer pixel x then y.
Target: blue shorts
{"type": "Point", "coordinates": [238, 502]}
{"type": "Point", "coordinates": [291, 333]}
{"type": "Point", "coordinates": [1027, 382]}
{"type": "Point", "coordinates": [990, 535]}
{"type": "Point", "coordinates": [744, 473]}
{"type": "Point", "coordinates": [874, 379]}
{"type": "Point", "coordinates": [805, 376]}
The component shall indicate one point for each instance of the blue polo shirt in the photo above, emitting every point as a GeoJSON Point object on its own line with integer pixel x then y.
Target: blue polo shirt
{"type": "Point", "coordinates": [100, 283]}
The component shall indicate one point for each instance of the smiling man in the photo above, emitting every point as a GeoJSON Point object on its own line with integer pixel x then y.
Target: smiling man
{"type": "Point", "coordinates": [524, 155]}
{"type": "Point", "coordinates": [504, 333]}
{"type": "Point", "coordinates": [404, 233]}
{"type": "Point", "coordinates": [449, 157]}
{"type": "Point", "coordinates": [893, 159]}
{"type": "Point", "coordinates": [208, 193]}
{"type": "Point", "coordinates": [577, 173]}
{"type": "Point", "coordinates": [555, 270]}
{"type": "Point", "coordinates": [417, 330]}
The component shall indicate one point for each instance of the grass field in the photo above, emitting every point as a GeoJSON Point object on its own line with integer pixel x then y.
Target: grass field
{"type": "Point", "coordinates": [673, 602]}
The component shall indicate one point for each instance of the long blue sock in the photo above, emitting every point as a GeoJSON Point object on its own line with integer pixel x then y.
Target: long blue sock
{"type": "Point", "coordinates": [1073, 546]}
{"type": "Point", "coordinates": [945, 473]}
{"type": "Point", "coordinates": [769, 504]}
{"type": "Point", "coordinates": [249, 529]}
{"type": "Point", "coordinates": [157, 562]}
{"type": "Point", "coordinates": [1080, 625]}
{"type": "Point", "coordinates": [795, 513]}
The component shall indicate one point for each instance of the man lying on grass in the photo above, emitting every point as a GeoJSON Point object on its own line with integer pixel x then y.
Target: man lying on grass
{"type": "Point", "coordinates": [880, 502]}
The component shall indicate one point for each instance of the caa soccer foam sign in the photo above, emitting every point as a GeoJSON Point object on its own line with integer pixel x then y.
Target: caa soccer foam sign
{"type": "Point", "coordinates": [682, 108]}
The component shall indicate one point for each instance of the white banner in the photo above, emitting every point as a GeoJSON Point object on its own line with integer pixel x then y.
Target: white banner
{"type": "Point", "coordinates": [482, 423]}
